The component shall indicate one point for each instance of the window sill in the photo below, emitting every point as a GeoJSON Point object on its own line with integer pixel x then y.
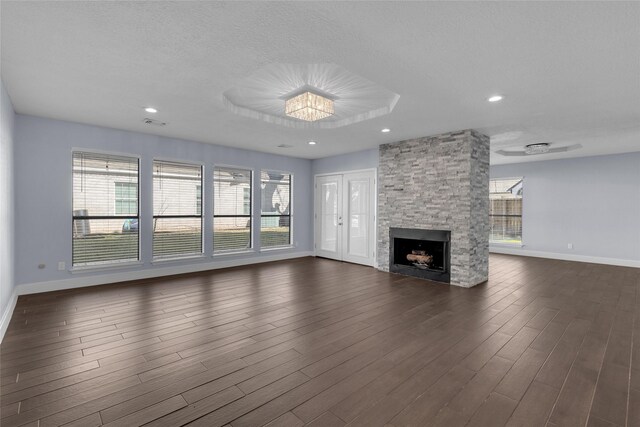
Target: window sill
{"type": "Point", "coordinates": [222, 254]}
{"type": "Point", "coordinates": [100, 267]}
{"type": "Point", "coordinates": [507, 245]}
{"type": "Point", "coordinates": [177, 258]}
{"type": "Point", "coordinates": [277, 248]}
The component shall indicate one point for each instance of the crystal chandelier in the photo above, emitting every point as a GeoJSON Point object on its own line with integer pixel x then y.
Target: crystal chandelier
{"type": "Point", "coordinates": [308, 106]}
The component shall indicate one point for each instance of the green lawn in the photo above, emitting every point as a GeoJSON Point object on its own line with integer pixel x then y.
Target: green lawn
{"type": "Point", "coordinates": [105, 247]}
{"type": "Point", "coordinates": [97, 248]}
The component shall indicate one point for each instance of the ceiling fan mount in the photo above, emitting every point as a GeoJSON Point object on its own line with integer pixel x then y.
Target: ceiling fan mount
{"type": "Point", "coordinates": [538, 148]}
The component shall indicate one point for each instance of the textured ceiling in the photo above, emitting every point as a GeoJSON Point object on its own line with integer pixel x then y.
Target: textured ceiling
{"type": "Point", "coordinates": [569, 71]}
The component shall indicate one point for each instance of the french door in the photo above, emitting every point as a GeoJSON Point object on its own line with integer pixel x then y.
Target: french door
{"type": "Point", "coordinates": [345, 217]}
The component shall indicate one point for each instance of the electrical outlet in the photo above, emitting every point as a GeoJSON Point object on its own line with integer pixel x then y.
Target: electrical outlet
{"type": "Point", "coordinates": [570, 246]}
{"type": "Point", "coordinates": [61, 266]}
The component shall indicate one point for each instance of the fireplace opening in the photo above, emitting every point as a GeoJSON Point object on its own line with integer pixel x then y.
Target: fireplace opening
{"type": "Point", "coordinates": [420, 253]}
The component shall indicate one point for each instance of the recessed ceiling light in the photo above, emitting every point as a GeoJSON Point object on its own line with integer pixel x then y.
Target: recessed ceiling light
{"type": "Point", "coordinates": [385, 130]}
{"type": "Point", "coordinates": [312, 143]}
{"type": "Point", "coordinates": [150, 110]}
{"type": "Point", "coordinates": [495, 98]}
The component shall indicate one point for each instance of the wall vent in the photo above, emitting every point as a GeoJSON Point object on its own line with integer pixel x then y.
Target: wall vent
{"type": "Point", "coordinates": [148, 121]}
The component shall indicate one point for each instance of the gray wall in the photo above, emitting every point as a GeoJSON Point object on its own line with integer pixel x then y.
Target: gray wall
{"type": "Point", "coordinates": [43, 189]}
{"type": "Point", "coordinates": [7, 118]}
{"type": "Point", "coordinates": [367, 159]}
{"type": "Point", "coordinates": [592, 202]}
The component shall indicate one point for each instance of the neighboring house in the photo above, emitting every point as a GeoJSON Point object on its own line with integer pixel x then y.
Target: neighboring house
{"type": "Point", "coordinates": [109, 192]}
{"type": "Point", "coordinates": [505, 201]}
{"type": "Point", "coordinates": [115, 193]}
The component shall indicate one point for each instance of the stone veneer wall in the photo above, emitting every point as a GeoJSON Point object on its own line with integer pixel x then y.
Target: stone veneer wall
{"type": "Point", "coordinates": [441, 183]}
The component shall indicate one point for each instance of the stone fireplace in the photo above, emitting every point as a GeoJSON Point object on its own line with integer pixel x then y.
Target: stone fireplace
{"type": "Point", "coordinates": [436, 184]}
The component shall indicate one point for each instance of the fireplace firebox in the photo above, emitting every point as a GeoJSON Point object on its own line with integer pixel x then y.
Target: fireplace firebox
{"type": "Point", "coordinates": [420, 253]}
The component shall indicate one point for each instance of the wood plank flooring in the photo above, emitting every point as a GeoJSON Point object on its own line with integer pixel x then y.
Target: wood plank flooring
{"type": "Point", "coordinates": [321, 343]}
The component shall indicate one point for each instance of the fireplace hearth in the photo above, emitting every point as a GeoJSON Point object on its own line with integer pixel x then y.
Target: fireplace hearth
{"type": "Point", "coordinates": [420, 253]}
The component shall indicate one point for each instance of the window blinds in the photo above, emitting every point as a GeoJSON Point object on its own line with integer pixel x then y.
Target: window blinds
{"type": "Point", "coordinates": [231, 209]}
{"type": "Point", "coordinates": [275, 220]}
{"type": "Point", "coordinates": [105, 209]}
{"type": "Point", "coordinates": [505, 210]}
{"type": "Point", "coordinates": [177, 209]}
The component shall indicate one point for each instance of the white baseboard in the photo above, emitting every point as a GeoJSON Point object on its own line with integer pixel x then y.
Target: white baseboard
{"type": "Point", "coordinates": [8, 312]}
{"type": "Point", "coordinates": [565, 257]}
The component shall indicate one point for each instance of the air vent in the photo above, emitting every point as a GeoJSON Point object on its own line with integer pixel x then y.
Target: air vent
{"type": "Point", "coordinates": [285, 146]}
{"type": "Point", "coordinates": [152, 122]}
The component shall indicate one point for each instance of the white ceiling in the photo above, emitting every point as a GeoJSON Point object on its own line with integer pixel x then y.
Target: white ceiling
{"type": "Point", "coordinates": [569, 71]}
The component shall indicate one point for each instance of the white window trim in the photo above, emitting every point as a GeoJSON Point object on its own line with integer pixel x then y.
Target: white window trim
{"type": "Point", "coordinates": [107, 265]}
{"type": "Point", "coordinates": [498, 243]}
{"type": "Point", "coordinates": [170, 258]}
{"type": "Point", "coordinates": [252, 229]}
{"type": "Point", "coordinates": [233, 252]}
{"type": "Point", "coordinates": [277, 248]}
{"type": "Point", "coordinates": [164, 258]}
{"type": "Point", "coordinates": [291, 198]}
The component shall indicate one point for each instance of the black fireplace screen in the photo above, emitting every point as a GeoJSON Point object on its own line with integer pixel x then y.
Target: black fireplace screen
{"type": "Point", "coordinates": [420, 253]}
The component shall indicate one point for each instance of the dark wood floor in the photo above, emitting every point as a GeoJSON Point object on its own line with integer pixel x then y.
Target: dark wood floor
{"type": "Point", "coordinates": [317, 342]}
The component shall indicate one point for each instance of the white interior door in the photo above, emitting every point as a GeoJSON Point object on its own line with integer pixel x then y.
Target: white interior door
{"type": "Point", "coordinates": [328, 216]}
{"type": "Point", "coordinates": [345, 217]}
{"type": "Point", "coordinates": [358, 229]}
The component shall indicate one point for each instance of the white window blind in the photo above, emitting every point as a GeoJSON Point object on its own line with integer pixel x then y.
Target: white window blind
{"type": "Point", "coordinates": [231, 209]}
{"type": "Point", "coordinates": [275, 221]}
{"type": "Point", "coordinates": [505, 210]}
{"type": "Point", "coordinates": [177, 213]}
{"type": "Point", "coordinates": [105, 209]}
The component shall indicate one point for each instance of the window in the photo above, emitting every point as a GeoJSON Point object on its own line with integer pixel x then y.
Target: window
{"type": "Point", "coordinates": [275, 218]}
{"type": "Point", "coordinates": [105, 209]}
{"type": "Point", "coordinates": [246, 197]}
{"type": "Point", "coordinates": [231, 209]}
{"type": "Point", "coordinates": [177, 221]}
{"type": "Point", "coordinates": [199, 199]}
{"type": "Point", "coordinates": [505, 211]}
{"type": "Point", "coordinates": [126, 198]}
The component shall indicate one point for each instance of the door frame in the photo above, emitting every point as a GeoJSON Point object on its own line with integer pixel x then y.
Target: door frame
{"type": "Point", "coordinates": [374, 201]}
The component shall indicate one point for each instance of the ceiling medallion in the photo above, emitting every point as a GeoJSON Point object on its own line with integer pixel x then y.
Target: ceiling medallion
{"type": "Point", "coordinates": [309, 106]}
{"type": "Point", "coordinates": [539, 148]}
{"type": "Point", "coordinates": [315, 96]}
